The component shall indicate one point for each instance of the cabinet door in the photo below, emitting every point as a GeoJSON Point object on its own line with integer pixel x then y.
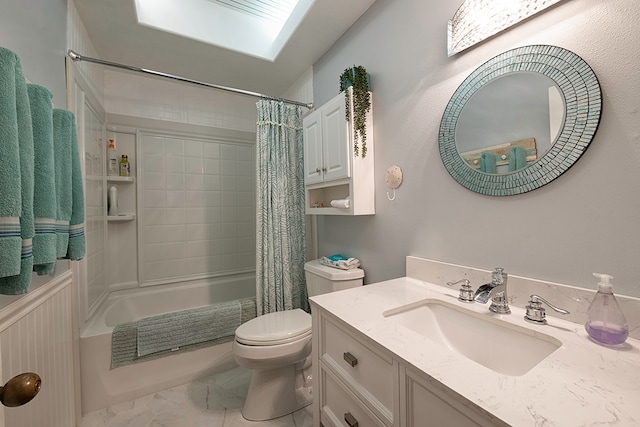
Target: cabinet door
{"type": "Point", "coordinates": [312, 148]}
{"type": "Point", "coordinates": [430, 404]}
{"type": "Point", "coordinates": [335, 138]}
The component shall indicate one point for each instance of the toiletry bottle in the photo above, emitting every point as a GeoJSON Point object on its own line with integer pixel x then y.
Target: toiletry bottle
{"type": "Point", "coordinates": [112, 164]}
{"type": "Point", "coordinates": [124, 166]}
{"type": "Point", "coordinates": [605, 320]}
{"type": "Point", "coordinates": [112, 201]}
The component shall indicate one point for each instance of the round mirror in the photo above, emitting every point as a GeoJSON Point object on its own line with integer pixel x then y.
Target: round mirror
{"type": "Point", "coordinates": [520, 120]}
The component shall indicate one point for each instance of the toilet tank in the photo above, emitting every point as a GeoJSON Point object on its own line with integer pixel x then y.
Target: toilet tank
{"type": "Point", "coordinates": [322, 279]}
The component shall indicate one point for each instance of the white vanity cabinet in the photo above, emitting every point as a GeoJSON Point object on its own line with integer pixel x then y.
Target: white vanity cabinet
{"type": "Point", "coordinates": [331, 170]}
{"type": "Point", "coordinates": [428, 403]}
{"type": "Point", "coordinates": [358, 381]}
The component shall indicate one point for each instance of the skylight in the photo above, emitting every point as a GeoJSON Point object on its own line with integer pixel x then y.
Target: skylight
{"type": "Point", "coordinates": [259, 28]}
{"type": "Point", "coordinates": [273, 10]}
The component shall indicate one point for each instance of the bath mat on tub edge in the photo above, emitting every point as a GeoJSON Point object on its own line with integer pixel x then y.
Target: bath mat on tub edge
{"type": "Point", "coordinates": [124, 343]}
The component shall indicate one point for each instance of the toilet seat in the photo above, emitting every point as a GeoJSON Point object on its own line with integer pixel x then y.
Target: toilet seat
{"type": "Point", "coordinates": [280, 327]}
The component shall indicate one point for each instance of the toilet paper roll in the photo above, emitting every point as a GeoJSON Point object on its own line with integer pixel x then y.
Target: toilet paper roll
{"type": "Point", "coordinates": [341, 203]}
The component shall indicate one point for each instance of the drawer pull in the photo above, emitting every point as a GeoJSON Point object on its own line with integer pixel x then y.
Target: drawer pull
{"type": "Point", "coordinates": [351, 420]}
{"type": "Point", "coordinates": [350, 359]}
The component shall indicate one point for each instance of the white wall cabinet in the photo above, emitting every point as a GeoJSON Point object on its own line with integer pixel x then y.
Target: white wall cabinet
{"type": "Point", "coordinates": [331, 170]}
{"type": "Point", "coordinates": [359, 381]}
{"type": "Point", "coordinates": [326, 150]}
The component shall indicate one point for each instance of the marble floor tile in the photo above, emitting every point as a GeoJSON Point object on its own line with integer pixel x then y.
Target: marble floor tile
{"type": "Point", "coordinates": [214, 401]}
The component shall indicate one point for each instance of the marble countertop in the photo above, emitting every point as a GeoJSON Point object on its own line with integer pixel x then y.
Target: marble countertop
{"type": "Point", "coordinates": [582, 383]}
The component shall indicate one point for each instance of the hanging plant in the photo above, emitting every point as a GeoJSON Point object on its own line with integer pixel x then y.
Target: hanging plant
{"type": "Point", "coordinates": [357, 78]}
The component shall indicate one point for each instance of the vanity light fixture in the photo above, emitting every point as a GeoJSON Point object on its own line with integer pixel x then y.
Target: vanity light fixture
{"type": "Point", "coordinates": [477, 20]}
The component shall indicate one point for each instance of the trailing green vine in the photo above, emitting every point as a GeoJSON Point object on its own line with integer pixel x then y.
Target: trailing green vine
{"type": "Point", "coordinates": [357, 78]}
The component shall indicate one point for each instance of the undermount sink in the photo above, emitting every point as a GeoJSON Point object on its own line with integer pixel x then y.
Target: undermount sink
{"type": "Point", "coordinates": [500, 346]}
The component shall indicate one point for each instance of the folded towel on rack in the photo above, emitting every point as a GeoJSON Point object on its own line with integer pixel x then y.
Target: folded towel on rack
{"type": "Point", "coordinates": [44, 192]}
{"type": "Point", "coordinates": [62, 155]}
{"type": "Point", "coordinates": [19, 124]}
{"type": "Point", "coordinates": [488, 162]}
{"type": "Point", "coordinates": [339, 261]}
{"type": "Point", "coordinates": [69, 200]}
{"type": "Point", "coordinates": [76, 248]}
{"type": "Point", "coordinates": [517, 158]}
{"type": "Point", "coordinates": [11, 130]}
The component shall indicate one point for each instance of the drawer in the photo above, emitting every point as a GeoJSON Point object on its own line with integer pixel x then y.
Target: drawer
{"type": "Point", "coordinates": [372, 374]}
{"type": "Point", "coordinates": [337, 401]}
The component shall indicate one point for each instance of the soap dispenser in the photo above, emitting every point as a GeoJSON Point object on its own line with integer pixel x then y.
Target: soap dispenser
{"type": "Point", "coordinates": [605, 320]}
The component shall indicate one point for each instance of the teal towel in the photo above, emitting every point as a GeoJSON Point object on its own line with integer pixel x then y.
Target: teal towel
{"type": "Point", "coordinates": [517, 158]}
{"type": "Point", "coordinates": [11, 83]}
{"type": "Point", "coordinates": [44, 192]}
{"type": "Point", "coordinates": [76, 248]}
{"type": "Point", "coordinates": [62, 155]}
{"type": "Point", "coordinates": [183, 328]}
{"type": "Point", "coordinates": [19, 283]}
{"type": "Point", "coordinates": [488, 162]}
{"type": "Point", "coordinates": [124, 340]}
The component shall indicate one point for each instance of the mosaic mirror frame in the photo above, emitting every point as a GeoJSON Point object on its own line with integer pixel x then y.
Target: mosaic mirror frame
{"type": "Point", "coordinates": [582, 96]}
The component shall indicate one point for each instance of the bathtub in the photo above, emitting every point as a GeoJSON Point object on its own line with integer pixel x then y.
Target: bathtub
{"type": "Point", "coordinates": [102, 386]}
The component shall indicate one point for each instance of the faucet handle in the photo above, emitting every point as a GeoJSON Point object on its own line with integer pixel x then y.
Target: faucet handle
{"type": "Point", "coordinates": [536, 312]}
{"type": "Point", "coordinates": [498, 276]}
{"type": "Point", "coordinates": [466, 293]}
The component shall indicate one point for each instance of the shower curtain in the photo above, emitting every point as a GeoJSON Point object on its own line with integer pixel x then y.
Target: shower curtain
{"type": "Point", "coordinates": [280, 220]}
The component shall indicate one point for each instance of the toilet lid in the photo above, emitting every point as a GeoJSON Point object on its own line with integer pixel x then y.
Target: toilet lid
{"type": "Point", "coordinates": [275, 328]}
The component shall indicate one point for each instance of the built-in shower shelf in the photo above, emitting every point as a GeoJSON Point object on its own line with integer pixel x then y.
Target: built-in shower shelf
{"type": "Point", "coordinates": [121, 218]}
{"type": "Point", "coordinates": [120, 179]}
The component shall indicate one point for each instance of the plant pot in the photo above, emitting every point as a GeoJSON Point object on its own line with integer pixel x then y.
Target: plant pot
{"type": "Point", "coordinates": [344, 84]}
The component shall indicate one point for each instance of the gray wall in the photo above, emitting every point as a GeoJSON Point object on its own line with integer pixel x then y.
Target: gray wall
{"type": "Point", "coordinates": [588, 220]}
{"type": "Point", "coordinates": [36, 31]}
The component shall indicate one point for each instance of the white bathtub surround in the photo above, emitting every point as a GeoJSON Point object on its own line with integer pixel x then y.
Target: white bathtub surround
{"type": "Point", "coordinates": [213, 401]}
{"type": "Point", "coordinates": [581, 383]}
{"type": "Point", "coordinates": [102, 386]}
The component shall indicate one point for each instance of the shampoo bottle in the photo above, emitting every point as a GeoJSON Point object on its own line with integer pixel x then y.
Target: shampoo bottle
{"type": "Point", "coordinates": [605, 320]}
{"type": "Point", "coordinates": [112, 163]}
{"type": "Point", "coordinates": [112, 201]}
{"type": "Point", "coordinates": [124, 166]}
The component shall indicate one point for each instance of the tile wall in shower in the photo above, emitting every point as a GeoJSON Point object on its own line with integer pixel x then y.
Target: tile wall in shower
{"type": "Point", "coordinates": [197, 206]}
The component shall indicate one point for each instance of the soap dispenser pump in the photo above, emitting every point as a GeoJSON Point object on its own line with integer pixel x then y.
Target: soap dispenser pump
{"type": "Point", "coordinates": [605, 320]}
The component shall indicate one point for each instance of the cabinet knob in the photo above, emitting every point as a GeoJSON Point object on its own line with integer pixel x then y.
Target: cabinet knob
{"type": "Point", "coordinates": [350, 420]}
{"type": "Point", "coordinates": [324, 170]}
{"type": "Point", "coordinates": [350, 359]}
{"type": "Point", "coordinates": [318, 170]}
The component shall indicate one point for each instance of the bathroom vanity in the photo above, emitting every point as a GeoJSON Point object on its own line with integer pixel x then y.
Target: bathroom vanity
{"type": "Point", "coordinates": [377, 363]}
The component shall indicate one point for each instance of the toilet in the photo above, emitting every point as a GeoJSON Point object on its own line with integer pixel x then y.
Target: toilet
{"type": "Point", "coordinates": [277, 348]}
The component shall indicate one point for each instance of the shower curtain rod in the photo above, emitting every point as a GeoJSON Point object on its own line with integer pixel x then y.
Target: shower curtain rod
{"type": "Point", "coordinates": [77, 57]}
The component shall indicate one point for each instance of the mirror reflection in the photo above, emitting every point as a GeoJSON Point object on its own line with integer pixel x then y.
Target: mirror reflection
{"type": "Point", "coordinates": [510, 122]}
{"type": "Point", "coordinates": [529, 137]}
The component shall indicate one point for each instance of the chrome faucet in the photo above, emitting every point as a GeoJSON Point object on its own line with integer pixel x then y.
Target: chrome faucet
{"type": "Point", "coordinates": [497, 291]}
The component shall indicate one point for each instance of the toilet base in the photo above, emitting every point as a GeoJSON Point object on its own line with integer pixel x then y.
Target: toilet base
{"type": "Point", "coordinates": [273, 394]}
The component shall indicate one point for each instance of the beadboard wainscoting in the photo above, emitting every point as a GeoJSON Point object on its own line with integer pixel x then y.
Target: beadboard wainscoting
{"type": "Point", "coordinates": [36, 335]}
